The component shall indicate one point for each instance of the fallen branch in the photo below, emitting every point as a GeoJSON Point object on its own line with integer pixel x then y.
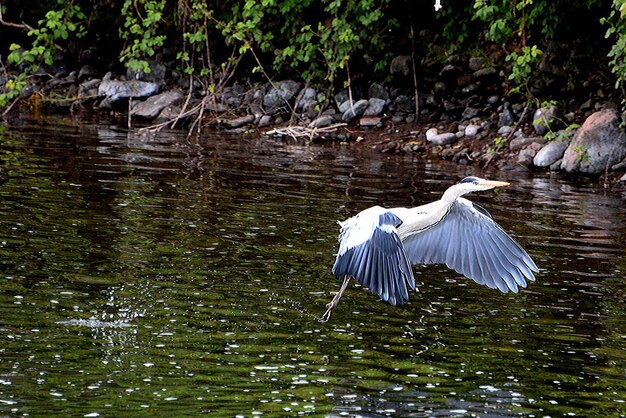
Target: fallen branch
{"type": "Point", "coordinates": [297, 132]}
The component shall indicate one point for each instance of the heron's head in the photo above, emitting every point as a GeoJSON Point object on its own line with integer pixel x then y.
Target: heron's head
{"type": "Point", "coordinates": [473, 184]}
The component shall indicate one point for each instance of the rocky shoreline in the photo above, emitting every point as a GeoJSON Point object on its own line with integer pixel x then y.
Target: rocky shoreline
{"type": "Point", "coordinates": [463, 117]}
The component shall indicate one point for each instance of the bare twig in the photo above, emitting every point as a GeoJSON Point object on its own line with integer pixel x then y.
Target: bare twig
{"type": "Point", "coordinates": [256, 58]}
{"type": "Point", "coordinates": [187, 99]}
{"type": "Point", "coordinates": [9, 107]}
{"type": "Point", "coordinates": [417, 101]}
{"type": "Point", "coordinates": [350, 89]}
{"type": "Point", "coordinates": [519, 121]}
{"type": "Point", "coordinates": [130, 112]}
{"type": "Point", "coordinates": [13, 25]}
{"type": "Point", "coordinates": [198, 109]}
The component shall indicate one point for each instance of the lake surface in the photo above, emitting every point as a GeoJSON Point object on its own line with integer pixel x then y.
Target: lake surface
{"type": "Point", "coordinates": [167, 276]}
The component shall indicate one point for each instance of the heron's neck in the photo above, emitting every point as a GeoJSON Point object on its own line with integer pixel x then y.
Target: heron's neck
{"type": "Point", "coordinates": [452, 194]}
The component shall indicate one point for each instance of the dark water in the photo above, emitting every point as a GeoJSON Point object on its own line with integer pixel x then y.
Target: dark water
{"type": "Point", "coordinates": [166, 276]}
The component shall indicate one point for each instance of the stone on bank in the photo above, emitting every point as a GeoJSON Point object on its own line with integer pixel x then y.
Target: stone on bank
{"type": "Point", "coordinates": [551, 153]}
{"type": "Point", "coordinates": [152, 106]}
{"type": "Point", "coordinates": [119, 89]}
{"type": "Point", "coordinates": [446, 138]}
{"type": "Point", "coordinates": [597, 145]}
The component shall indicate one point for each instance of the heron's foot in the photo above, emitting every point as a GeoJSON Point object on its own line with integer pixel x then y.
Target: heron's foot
{"type": "Point", "coordinates": [331, 307]}
{"type": "Point", "coordinates": [328, 313]}
{"type": "Point", "coordinates": [333, 303]}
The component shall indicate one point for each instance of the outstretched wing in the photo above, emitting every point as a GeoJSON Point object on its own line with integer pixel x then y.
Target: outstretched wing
{"type": "Point", "coordinates": [470, 242]}
{"type": "Point", "coordinates": [371, 252]}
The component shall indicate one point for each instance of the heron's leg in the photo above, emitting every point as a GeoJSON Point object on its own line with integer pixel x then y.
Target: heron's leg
{"type": "Point", "coordinates": [333, 303]}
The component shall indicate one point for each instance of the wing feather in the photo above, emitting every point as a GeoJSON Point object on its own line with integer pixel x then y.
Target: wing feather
{"type": "Point", "coordinates": [501, 266]}
{"type": "Point", "coordinates": [371, 251]}
{"type": "Point", "coordinates": [469, 241]}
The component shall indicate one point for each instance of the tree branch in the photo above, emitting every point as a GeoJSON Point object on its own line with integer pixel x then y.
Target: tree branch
{"type": "Point", "coordinates": [13, 25]}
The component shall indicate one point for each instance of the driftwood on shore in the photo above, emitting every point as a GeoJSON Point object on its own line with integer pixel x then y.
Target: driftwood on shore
{"type": "Point", "coordinates": [300, 132]}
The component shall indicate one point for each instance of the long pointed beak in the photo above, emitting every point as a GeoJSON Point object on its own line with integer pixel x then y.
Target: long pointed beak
{"type": "Point", "coordinates": [491, 183]}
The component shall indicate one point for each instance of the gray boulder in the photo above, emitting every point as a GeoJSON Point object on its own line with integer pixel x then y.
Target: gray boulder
{"type": "Point", "coordinates": [550, 154]}
{"type": "Point", "coordinates": [345, 105]}
{"type": "Point", "coordinates": [307, 100]}
{"type": "Point", "coordinates": [354, 111]}
{"type": "Point", "coordinates": [401, 65]}
{"type": "Point", "coordinates": [341, 97]}
{"type": "Point", "coordinates": [322, 121]}
{"type": "Point", "coordinates": [450, 73]}
{"type": "Point", "coordinates": [216, 107]}
{"type": "Point", "coordinates": [543, 118]}
{"type": "Point", "coordinates": [556, 166]}
{"type": "Point", "coordinates": [485, 73]}
{"type": "Point", "coordinates": [476, 63]}
{"type": "Point", "coordinates": [374, 107]}
{"type": "Point", "coordinates": [404, 103]}
{"type": "Point", "coordinates": [87, 88]}
{"type": "Point", "coordinates": [472, 129]}
{"type": "Point", "coordinates": [367, 121]}
{"type": "Point", "coordinates": [621, 166]}
{"type": "Point", "coordinates": [470, 112]}
{"type": "Point", "coordinates": [152, 106]}
{"type": "Point", "coordinates": [253, 99]}
{"type": "Point", "coordinates": [525, 157]}
{"type": "Point", "coordinates": [87, 72]}
{"type": "Point", "coordinates": [599, 143]}
{"type": "Point", "coordinates": [169, 113]}
{"type": "Point", "coordinates": [118, 89]}
{"type": "Point", "coordinates": [281, 93]}
{"type": "Point", "coordinates": [506, 117]}
{"type": "Point", "coordinates": [378, 91]}
{"type": "Point", "coordinates": [265, 121]}
{"type": "Point", "coordinates": [517, 144]}
{"type": "Point", "coordinates": [432, 135]}
{"type": "Point", "coordinates": [505, 130]}
{"type": "Point", "coordinates": [239, 122]}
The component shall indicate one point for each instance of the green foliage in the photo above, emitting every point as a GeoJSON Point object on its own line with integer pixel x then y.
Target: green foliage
{"type": "Point", "coordinates": [12, 88]}
{"type": "Point", "coordinates": [141, 23]}
{"type": "Point", "coordinates": [510, 20]}
{"type": "Point", "coordinates": [57, 25]}
{"type": "Point", "coordinates": [563, 135]}
{"type": "Point", "coordinates": [581, 153]}
{"type": "Point", "coordinates": [523, 66]}
{"type": "Point", "coordinates": [499, 143]}
{"type": "Point", "coordinates": [457, 27]}
{"type": "Point", "coordinates": [512, 23]}
{"type": "Point", "coordinates": [316, 39]}
{"type": "Point", "coordinates": [195, 54]}
{"type": "Point", "coordinates": [497, 15]}
{"type": "Point", "coordinates": [617, 55]}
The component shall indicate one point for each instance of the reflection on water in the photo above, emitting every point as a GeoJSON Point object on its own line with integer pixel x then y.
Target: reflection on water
{"type": "Point", "coordinates": [165, 275]}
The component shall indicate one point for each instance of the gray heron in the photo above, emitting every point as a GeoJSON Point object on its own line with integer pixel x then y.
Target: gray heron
{"type": "Point", "coordinates": [378, 246]}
